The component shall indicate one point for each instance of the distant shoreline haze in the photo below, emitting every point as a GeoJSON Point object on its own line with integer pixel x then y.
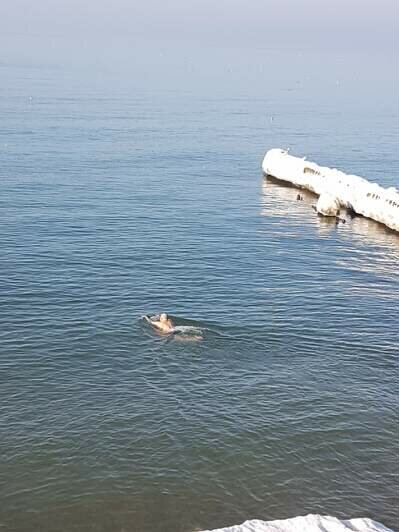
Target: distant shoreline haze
{"type": "Point", "coordinates": [99, 31]}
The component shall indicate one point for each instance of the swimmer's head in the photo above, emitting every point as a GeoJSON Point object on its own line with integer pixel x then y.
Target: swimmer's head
{"type": "Point", "coordinates": [163, 317]}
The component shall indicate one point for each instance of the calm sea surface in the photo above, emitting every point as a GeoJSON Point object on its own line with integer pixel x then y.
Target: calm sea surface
{"type": "Point", "coordinates": [121, 198]}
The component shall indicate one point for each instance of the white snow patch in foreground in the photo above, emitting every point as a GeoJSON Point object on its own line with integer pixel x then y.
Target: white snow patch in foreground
{"type": "Point", "coordinates": [307, 523]}
{"type": "Point", "coordinates": [350, 191]}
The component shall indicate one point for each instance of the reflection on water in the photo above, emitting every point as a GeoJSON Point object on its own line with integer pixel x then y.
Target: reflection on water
{"type": "Point", "coordinates": [280, 199]}
{"type": "Point", "coordinates": [373, 247]}
{"type": "Point", "coordinates": [360, 245]}
{"type": "Point", "coordinates": [368, 231]}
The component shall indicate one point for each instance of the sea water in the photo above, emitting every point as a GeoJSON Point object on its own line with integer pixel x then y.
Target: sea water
{"type": "Point", "coordinates": [130, 192]}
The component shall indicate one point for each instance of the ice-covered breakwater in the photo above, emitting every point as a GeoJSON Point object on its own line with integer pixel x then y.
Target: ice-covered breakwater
{"type": "Point", "coordinates": [335, 188]}
{"type": "Point", "coordinates": [307, 523]}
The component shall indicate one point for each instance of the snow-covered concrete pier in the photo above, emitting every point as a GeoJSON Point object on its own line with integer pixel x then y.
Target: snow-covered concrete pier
{"type": "Point", "coordinates": [307, 523]}
{"type": "Point", "coordinates": [335, 188]}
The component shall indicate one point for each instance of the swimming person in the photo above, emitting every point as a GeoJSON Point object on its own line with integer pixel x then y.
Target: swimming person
{"type": "Point", "coordinates": [162, 323]}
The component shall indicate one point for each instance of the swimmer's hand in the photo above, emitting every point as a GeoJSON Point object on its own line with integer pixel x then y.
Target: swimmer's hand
{"type": "Point", "coordinates": [151, 319]}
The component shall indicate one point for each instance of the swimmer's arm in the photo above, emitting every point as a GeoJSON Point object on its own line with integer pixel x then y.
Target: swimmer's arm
{"type": "Point", "coordinates": [157, 325]}
{"type": "Point", "coordinates": [153, 323]}
{"type": "Point", "coordinates": [151, 319]}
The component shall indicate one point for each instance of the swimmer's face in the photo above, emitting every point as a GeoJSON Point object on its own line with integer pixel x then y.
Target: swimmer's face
{"type": "Point", "coordinates": [163, 317]}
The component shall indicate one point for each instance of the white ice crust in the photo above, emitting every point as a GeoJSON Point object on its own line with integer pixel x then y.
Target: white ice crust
{"type": "Point", "coordinates": [327, 204]}
{"type": "Point", "coordinates": [307, 523]}
{"type": "Point", "coordinates": [349, 191]}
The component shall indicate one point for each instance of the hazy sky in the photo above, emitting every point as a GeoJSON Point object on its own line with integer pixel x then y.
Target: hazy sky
{"type": "Point", "coordinates": [82, 27]}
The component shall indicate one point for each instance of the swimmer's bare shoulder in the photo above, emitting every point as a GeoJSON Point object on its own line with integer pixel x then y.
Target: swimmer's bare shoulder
{"type": "Point", "coordinates": [158, 326]}
{"type": "Point", "coordinates": [161, 323]}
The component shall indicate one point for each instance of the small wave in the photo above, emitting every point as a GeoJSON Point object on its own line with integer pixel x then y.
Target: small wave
{"type": "Point", "coordinates": [187, 333]}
